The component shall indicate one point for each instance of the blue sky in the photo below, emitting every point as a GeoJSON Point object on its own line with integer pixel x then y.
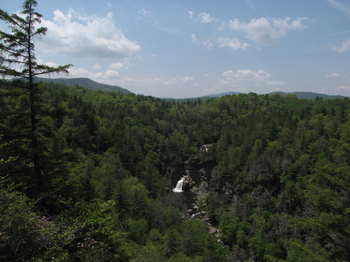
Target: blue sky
{"type": "Point", "coordinates": [196, 47]}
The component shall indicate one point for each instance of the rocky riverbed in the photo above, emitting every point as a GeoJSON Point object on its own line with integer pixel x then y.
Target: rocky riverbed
{"type": "Point", "coordinates": [196, 178]}
{"type": "Point", "coordinates": [199, 213]}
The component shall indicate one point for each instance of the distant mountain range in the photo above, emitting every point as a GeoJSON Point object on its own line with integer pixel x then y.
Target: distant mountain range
{"type": "Point", "coordinates": [300, 95]}
{"type": "Point", "coordinates": [88, 83]}
{"type": "Point", "coordinates": [202, 98]}
{"type": "Point", "coordinates": [84, 82]}
{"type": "Point", "coordinates": [309, 95]}
{"type": "Point", "coordinates": [224, 94]}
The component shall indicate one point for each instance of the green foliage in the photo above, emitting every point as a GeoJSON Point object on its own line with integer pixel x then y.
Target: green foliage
{"type": "Point", "coordinates": [27, 235]}
{"type": "Point", "coordinates": [99, 167]}
{"type": "Point", "coordinates": [24, 116]}
{"type": "Point", "coordinates": [298, 251]}
{"type": "Point", "coordinates": [137, 230]}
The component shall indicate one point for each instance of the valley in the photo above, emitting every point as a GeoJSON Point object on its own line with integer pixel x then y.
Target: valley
{"type": "Point", "coordinates": [94, 172]}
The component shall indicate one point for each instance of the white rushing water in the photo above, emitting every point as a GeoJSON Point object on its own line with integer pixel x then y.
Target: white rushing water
{"type": "Point", "coordinates": [178, 188]}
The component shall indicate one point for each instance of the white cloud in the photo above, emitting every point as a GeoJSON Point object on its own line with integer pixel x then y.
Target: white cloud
{"type": "Point", "coordinates": [223, 25]}
{"type": "Point", "coordinates": [275, 83]}
{"type": "Point", "coordinates": [208, 44]}
{"type": "Point", "coordinates": [344, 7]}
{"type": "Point", "coordinates": [229, 77]}
{"type": "Point", "coordinates": [40, 61]}
{"type": "Point", "coordinates": [157, 80]}
{"type": "Point", "coordinates": [86, 36]}
{"type": "Point", "coordinates": [233, 43]}
{"type": "Point", "coordinates": [228, 80]}
{"type": "Point", "coordinates": [343, 48]}
{"type": "Point", "coordinates": [334, 75]}
{"type": "Point", "coordinates": [206, 18]}
{"type": "Point", "coordinates": [228, 73]}
{"type": "Point", "coordinates": [346, 88]}
{"type": "Point", "coordinates": [119, 66]}
{"type": "Point", "coordinates": [171, 82]}
{"type": "Point", "coordinates": [186, 79]}
{"type": "Point", "coordinates": [52, 64]}
{"type": "Point", "coordinates": [112, 77]}
{"type": "Point", "coordinates": [250, 5]}
{"type": "Point", "coordinates": [191, 13]}
{"type": "Point", "coordinates": [178, 80]}
{"type": "Point", "coordinates": [97, 66]}
{"type": "Point", "coordinates": [248, 74]}
{"type": "Point", "coordinates": [211, 89]}
{"type": "Point", "coordinates": [267, 32]}
{"type": "Point", "coordinates": [145, 12]}
{"type": "Point", "coordinates": [139, 82]}
{"type": "Point", "coordinates": [245, 75]}
{"type": "Point", "coordinates": [147, 18]}
{"type": "Point", "coordinates": [194, 39]}
{"type": "Point", "coordinates": [111, 74]}
{"type": "Point", "coordinates": [206, 75]}
{"type": "Point", "coordinates": [99, 77]}
{"type": "Point", "coordinates": [196, 84]}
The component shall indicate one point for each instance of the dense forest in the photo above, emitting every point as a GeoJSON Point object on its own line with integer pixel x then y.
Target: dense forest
{"type": "Point", "coordinates": [279, 189]}
{"type": "Point", "coordinates": [86, 175]}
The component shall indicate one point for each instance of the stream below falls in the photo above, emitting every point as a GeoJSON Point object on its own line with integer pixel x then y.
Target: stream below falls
{"type": "Point", "coordinates": [188, 198]}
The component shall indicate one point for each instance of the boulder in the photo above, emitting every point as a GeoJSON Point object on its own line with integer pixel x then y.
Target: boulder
{"type": "Point", "coordinates": [213, 231]}
{"type": "Point", "coordinates": [198, 214]}
{"type": "Point", "coordinates": [187, 184]}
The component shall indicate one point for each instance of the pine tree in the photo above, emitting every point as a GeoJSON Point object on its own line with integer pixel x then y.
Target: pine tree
{"type": "Point", "coordinates": [22, 106]}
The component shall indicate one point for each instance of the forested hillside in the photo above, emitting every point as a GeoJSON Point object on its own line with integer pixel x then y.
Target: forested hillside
{"type": "Point", "coordinates": [87, 175]}
{"type": "Point", "coordinates": [309, 95]}
{"type": "Point", "coordinates": [280, 189]}
{"type": "Point", "coordinates": [84, 82]}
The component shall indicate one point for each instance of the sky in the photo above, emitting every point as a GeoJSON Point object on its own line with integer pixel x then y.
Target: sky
{"type": "Point", "coordinates": [192, 48]}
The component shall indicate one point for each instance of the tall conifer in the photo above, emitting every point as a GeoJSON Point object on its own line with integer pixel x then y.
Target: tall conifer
{"type": "Point", "coordinates": [21, 95]}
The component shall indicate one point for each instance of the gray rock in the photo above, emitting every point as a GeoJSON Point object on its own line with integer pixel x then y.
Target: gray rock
{"type": "Point", "coordinates": [212, 231]}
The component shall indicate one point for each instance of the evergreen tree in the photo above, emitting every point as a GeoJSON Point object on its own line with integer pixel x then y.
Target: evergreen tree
{"type": "Point", "coordinates": [18, 68]}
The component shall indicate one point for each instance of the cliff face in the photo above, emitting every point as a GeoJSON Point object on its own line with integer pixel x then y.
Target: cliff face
{"type": "Point", "coordinates": [172, 173]}
{"type": "Point", "coordinates": [198, 172]}
{"type": "Point", "coordinates": [198, 176]}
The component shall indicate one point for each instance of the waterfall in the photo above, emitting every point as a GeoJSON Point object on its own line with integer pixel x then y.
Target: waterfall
{"type": "Point", "coordinates": [178, 188]}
